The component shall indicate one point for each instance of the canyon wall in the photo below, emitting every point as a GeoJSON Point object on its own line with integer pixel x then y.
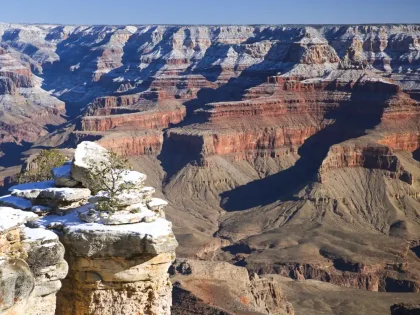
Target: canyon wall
{"type": "Point", "coordinates": [284, 149]}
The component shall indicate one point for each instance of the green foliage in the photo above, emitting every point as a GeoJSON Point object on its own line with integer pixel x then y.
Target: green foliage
{"type": "Point", "coordinates": [41, 166]}
{"type": "Point", "coordinates": [107, 175]}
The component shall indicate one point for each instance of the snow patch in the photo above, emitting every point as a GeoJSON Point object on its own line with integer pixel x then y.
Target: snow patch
{"type": "Point", "coordinates": [156, 229]}
{"type": "Point", "coordinates": [15, 202]}
{"type": "Point", "coordinates": [39, 234]}
{"type": "Point", "coordinates": [32, 186]}
{"type": "Point", "coordinates": [11, 218]}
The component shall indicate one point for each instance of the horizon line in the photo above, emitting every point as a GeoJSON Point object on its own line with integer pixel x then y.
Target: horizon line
{"type": "Point", "coordinates": [233, 24]}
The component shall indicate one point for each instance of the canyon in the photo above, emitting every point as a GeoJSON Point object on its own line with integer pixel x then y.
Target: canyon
{"type": "Point", "coordinates": [292, 151]}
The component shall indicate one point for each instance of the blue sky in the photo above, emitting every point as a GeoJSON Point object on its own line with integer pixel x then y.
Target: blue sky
{"type": "Point", "coordinates": [210, 11]}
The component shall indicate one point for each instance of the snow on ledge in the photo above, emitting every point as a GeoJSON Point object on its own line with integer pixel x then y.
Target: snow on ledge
{"type": "Point", "coordinates": [15, 202]}
{"type": "Point", "coordinates": [72, 223]}
{"type": "Point", "coordinates": [39, 234]}
{"type": "Point", "coordinates": [156, 229]}
{"type": "Point", "coordinates": [11, 218]}
{"type": "Point", "coordinates": [32, 186]}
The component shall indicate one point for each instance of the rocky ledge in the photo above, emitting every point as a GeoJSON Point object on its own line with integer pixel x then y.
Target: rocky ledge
{"type": "Point", "coordinates": [117, 260]}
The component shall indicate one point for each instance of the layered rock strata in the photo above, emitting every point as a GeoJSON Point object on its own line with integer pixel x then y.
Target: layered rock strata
{"type": "Point", "coordinates": [297, 150]}
{"type": "Point", "coordinates": [27, 108]}
{"type": "Point", "coordinates": [118, 260]}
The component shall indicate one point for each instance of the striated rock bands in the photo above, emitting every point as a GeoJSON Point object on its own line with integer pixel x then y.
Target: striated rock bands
{"type": "Point", "coordinates": [285, 149]}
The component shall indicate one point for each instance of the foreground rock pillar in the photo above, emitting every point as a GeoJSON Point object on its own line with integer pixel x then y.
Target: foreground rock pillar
{"type": "Point", "coordinates": [31, 265]}
{"type": "Point", "coordinates": [118, 269]}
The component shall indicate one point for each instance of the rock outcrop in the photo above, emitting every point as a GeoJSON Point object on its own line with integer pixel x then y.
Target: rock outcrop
{"type": "Point", "coordinates": [116, 262]}
{"type": "Point", "coordinates": [32, 265]}
{"type": "Point", "coordinates": [220, 288]}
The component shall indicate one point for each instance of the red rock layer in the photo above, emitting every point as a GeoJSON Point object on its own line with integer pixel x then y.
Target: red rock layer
{"type": "Point", "coordinates": [373, 157]}
{"type": "Point", "coordinates": [146, 143]}
{"type": "Point", "coordinates": [102, 105]}
{"type": "Point", "coordinates": [268, 142]}
{"type": "Point", "coordinates": [140, 120]}
{"type": "Point", "coordinates": [409, 141]}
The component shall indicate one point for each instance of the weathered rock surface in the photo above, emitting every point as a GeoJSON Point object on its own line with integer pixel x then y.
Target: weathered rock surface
{"type": "Point", "coordinates": [31, 265]}
{"type": "Point", "coordinates": [87, 155]}
{"type": "Point", "coordinates": [65, 194]}
{"type": "Point", "coordinates": [220, 288]}
{"type": "Point", "coordinates": [116, 262]}
{"type": "Point", "coordinates": [295, 149]}
{"type": "Point", "coordinates": [62, 176]}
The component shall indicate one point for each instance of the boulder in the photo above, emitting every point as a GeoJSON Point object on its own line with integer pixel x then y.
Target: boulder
{"type": "Point", "coordinates": [44, 251]}
{"type": "Point", "coordinates": [16, 282]}
{"type": "Point", "coordinates": [128, 198]}
{"type": "Point", "coordinates": [147, 192]}
{"type": "Point", "coordinates": [12, 218]}
{"type": "Point", "coordinates": [31, 265]}
{"type": "Point", "coordinates": [87, 155]}
{"type": "Point", "coordinates": [30, 190]}
{"type": "Point", "coordinates": [156, 204]}
{"type": "Point", "coordinates": [133, 177]}
{"type": "Point", "coordinates": [89, 216]}
{"type": "Point", "coordinates": [33, 186]}
{"type": "Point", "coordinates": [62, 176]}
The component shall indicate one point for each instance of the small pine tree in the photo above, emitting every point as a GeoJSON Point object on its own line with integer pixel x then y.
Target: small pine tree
{"type": "Point", "coordinates": [45, 161]}
{"type": "Point", "coordinates": [108, 175]}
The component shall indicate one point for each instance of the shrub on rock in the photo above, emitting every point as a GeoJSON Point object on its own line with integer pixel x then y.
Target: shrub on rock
{"type": "Point", "coordinates": [40, 168]}
{"type": "Point", "coordinates": [110, 175]}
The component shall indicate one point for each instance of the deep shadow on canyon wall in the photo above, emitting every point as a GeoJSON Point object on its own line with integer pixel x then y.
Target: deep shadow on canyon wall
{"type": "Point", "coordinates": [351, 119]}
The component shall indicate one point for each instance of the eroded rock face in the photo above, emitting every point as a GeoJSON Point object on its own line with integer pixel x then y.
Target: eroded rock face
{"type": "Point", "coordinates": [62, 176]}
{"type": "Point", "coordinates": [313, 131]}
{"type": "Point", "coordinates": [210, 287]}
{"type": "Point", "coordinates": [116, 262]}
{"type": "Point", "coordinates": [27, 106]}
{"type": "Point", "coordinates": [32, 265]}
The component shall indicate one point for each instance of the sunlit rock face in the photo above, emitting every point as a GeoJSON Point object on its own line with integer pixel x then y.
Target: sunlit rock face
{"type": "Point", "coordinates": [144, 77]}
{"type": "Point", "coordinates": [116, 262]}
{"type": "Point", "coordinates": [286, 149]}
{"type": "Point", "coordinates": [230, 287]}
{"type": "Point", "coordinates": [32, 265]}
